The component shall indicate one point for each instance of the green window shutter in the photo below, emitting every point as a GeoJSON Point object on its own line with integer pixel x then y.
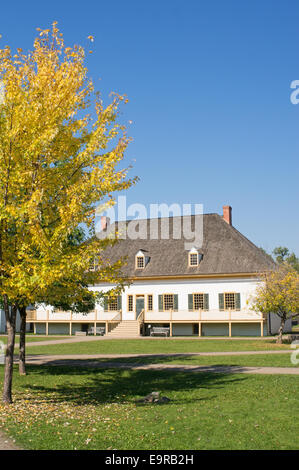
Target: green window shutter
{"type": "Point", "coordinates": [106, 304]}
{"type": "Point", "coordinates": [221, 301]}
{"type": "Point", "coordinates": [119, 298]}
{"type": "Point", "coordinates": [190, 301]}
{"type": "Point", "coordinates": [238, 301]}
{"type": "Point", "coordinates": [175, 302]}
{"type": "Point", "coordinates": [206, 301]}
{"type": "Point", "coordinates": [160, 303]}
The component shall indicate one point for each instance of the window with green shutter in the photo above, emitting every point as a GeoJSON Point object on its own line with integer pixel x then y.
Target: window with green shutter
{"type": "Point", "coordinates": [230, 301]}
{"type": "Point", "coordinates": [168, 302]}
{"type": "Point", "coordinates": [198, 301]}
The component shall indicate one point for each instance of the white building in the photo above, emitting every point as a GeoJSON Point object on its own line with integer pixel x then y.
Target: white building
{"type": "Point", "coordinates": [3, 322]}
{"type": "Point", "coordinates": [205, 291]}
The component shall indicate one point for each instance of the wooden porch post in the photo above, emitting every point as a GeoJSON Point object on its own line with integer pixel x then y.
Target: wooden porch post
{"type": "Point", "coordinates": [34, 328]}
{"type": "Point", "coordinates": [95, 323]}
{"type": "Point", "coordinates": [106, 332]}
{"type": "Point", "coordinates": [262, 328]}
{"type": "Point", "coordinates": [71, 320]}
{"type": "Point", "coordinates": [230, 329]}
{"type": "Point", "coordinates": [199, 329]}
{"type": "Point", "coordinates": [170, 332]}
{"type": "Point", "coordinates": [47, 324]}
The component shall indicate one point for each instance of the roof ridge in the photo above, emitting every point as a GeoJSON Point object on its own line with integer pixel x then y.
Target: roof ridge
{"type": "Point", "coordinates": [169, 217]}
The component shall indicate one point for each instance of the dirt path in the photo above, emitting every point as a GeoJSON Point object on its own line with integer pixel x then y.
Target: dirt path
{"type": "Point", "coordinates": [41, 357]}
{"type": "Point", "coordinates": [91, 361]}
{"type": "Point", "coordinates": [6, 443]}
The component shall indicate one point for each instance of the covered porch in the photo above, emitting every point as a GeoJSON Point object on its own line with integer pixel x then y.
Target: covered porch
{"type": "Point", "coordinates": [180, 323]}
{"type": "Point", "coordinates": [203, 323]}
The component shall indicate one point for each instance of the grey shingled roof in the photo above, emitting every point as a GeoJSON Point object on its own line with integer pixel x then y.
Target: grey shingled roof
{"type": "Point", "coordinates": [225, 251]}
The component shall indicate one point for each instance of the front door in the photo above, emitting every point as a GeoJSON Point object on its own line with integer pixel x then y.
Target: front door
{"type": "Point", "coordinates": [139, 304]}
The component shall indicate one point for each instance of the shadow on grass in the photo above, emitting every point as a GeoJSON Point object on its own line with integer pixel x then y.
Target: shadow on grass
{"type": "Point", "coordinates": [150, 359]}
{"type": "Point", "coordinates": [102, 386]}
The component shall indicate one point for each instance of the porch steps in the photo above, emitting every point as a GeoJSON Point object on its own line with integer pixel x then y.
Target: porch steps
{"type": "Point", "coordinates": [125, 329]}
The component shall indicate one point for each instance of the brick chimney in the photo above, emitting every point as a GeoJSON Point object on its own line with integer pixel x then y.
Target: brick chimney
{"type": "Point", "coordinates": [105, 221]}
{"type": "Point", "coordinates": [227, 214]}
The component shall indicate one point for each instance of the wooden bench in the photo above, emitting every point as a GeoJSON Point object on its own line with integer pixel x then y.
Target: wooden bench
{"type": "Point", "coordinates": [100, 330]}
{"type": "Point", "coordinates": [80, 333]}
{"type": "Point", "coordinates": [160, 330]}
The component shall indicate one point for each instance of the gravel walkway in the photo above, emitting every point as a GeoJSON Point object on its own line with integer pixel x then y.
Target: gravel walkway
{"type": "Point", "coordinates": [162, 355]}
{"type": "Point", "coordinates": [80, 339]}
{"type": "Point", "coordinates": [91, 361]}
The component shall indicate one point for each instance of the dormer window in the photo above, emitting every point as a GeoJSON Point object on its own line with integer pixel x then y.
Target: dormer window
{"type": "Point", "coordinates": [193, 257]}
{"type": "Point", "coordinates": [139, 260]}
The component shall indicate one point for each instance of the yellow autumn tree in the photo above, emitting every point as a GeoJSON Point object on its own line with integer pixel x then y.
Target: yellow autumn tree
{"type": "Point", "coordinates": [71, 292]}
{"type": "Point", "coordinates": [60, 150]}
{"type": "Point", "coordinates": [278, 293]}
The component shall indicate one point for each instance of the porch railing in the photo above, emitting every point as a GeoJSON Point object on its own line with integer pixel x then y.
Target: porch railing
{"type": "Point", "coordinates": [115, 321]}
{"type": "Point", "coordinates": [30, 315]}
{"type": "Point", "coordinates": [154, 315]}
{"type": "Point", "coordinates": [202, 315]}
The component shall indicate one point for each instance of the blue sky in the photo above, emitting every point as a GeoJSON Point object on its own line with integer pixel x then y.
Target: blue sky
{"type": "Point", "coordinates": [208, 84]}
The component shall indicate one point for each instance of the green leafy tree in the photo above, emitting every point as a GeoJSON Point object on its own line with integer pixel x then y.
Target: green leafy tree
{"type": "Point", "coordinates": [283, 255]}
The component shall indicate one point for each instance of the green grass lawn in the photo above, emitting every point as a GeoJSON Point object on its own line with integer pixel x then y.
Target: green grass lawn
{"type": "Point", "coordinates": [68, 408]}
{"type": "Point", "coordinates": [150, 346]}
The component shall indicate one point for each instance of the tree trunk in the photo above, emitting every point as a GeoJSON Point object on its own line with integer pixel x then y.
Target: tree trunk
{"type": "Point", "coordinates": [22, 352]}
{"type": "Point", "coordinates": [280, 331]}
{"type": "Point", "coordinates": [10, 315]}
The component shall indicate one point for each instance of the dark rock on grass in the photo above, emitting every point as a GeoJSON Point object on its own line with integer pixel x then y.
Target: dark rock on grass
{"type": "Point", "coordinates": [153, 397]}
